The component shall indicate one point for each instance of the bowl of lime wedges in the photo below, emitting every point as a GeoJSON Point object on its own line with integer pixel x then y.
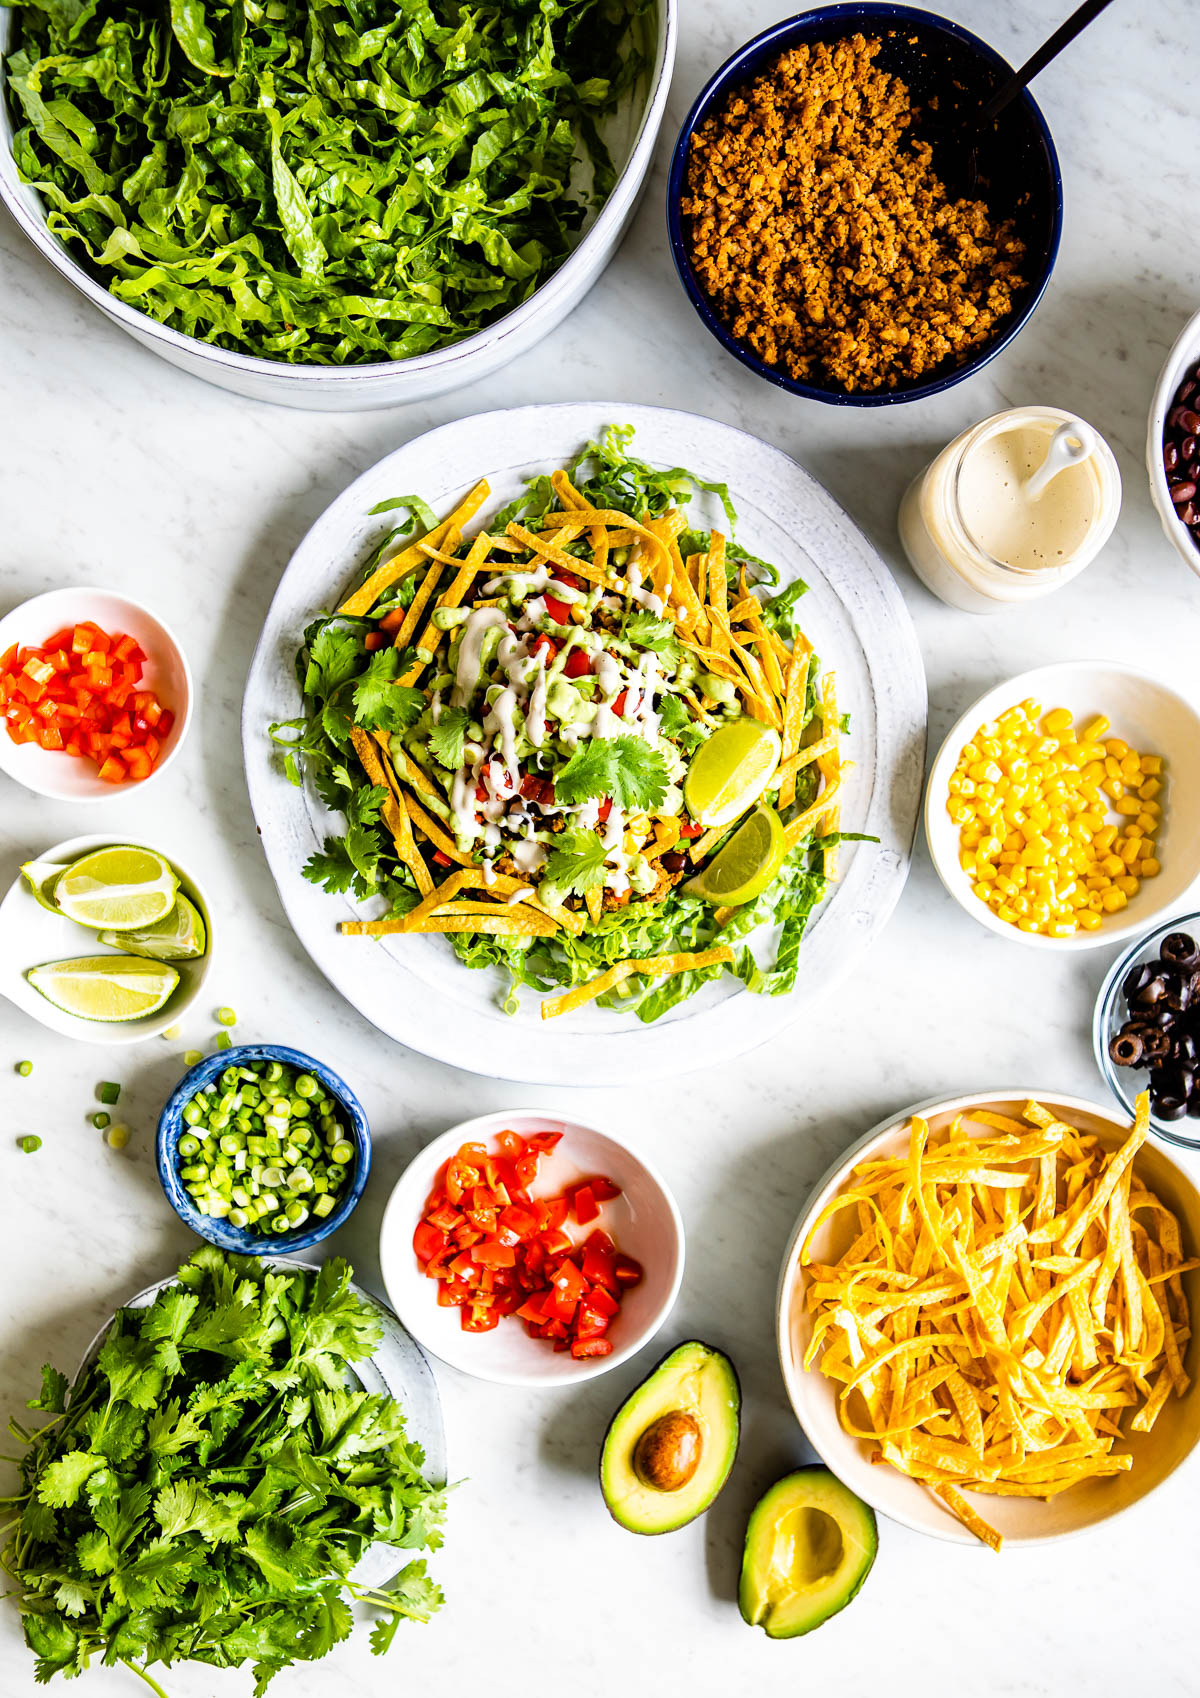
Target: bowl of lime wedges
{"type": "Point", "coordinates": [104, 940]}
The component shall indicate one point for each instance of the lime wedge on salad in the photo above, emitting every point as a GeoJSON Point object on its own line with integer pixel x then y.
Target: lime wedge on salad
{"type": "Point", "coordinates": [105, 987]}
{"type": "Point", "coordinates": [729, 773]}
{"type": "Point", "coordinates": [746, 865]}
{"type": "Point", "coordinates": [41, 877]}
{"type": "Point", "coordinates": [118, 889]}
{"type": "Point", "coordinates": [182, 936]}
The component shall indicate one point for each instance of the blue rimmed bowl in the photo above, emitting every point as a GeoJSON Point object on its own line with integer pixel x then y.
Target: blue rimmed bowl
{"type": "Point", "coordinates": [238, 1239]}
{"type": "Point", "coordinates": [939, 61]}
{"type": "Point", "coordinates": [1125, 1083]}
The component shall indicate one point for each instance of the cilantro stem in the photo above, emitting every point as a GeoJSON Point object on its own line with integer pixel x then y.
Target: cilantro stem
{"type": "Point", "coordinates": [150, 1682]}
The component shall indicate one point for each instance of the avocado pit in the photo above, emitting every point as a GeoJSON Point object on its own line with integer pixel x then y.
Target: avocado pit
{"type": "Point", "coordinates": [668, 1453]}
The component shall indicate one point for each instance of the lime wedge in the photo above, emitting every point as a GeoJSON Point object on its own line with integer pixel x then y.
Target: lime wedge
{"type": "Point", "coordinates": [746, 865]}
{"type": "Point", "coordinates": [41, 877]}
{"type": "Point", "coordinates": [180, 937]}
{"type": "Point", "coordinates": [119, 889]}
{"type": "Point", "coordinates": [730, 772]}
{"type": "Point", "coordinates": [105, 987]}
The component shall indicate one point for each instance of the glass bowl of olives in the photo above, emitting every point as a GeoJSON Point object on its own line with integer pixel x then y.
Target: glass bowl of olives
{"type": "Point", "coordinates": [1146, 1032]}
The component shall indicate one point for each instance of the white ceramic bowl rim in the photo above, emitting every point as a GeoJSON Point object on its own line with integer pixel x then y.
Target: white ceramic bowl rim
{"type": "Point", "coordinates": [1009, 691]}
{"type": "Point", "coordinates": [15, 195]}
{"type": "Point", "coordinates": [399, 1220]}
{"type": "Point", "coordinates": [947, 1526]}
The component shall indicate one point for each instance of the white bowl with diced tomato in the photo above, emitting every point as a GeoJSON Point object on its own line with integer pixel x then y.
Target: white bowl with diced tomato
{"type": "Point", "coordinates": [528, 1248]}
{"type": "Point", "coordinates": [95, 695]}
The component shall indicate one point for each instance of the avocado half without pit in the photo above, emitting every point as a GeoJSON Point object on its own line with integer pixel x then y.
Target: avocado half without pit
{"type": "Point", "coordinates": [810, 1545]}
{"type": "Point", "coordinates": [671, 1444]}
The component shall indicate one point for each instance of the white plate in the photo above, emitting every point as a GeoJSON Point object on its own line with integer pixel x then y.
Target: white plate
{"type": "Point", "coordinates": [31, 935]}
{"type": "Point", "coordinates": [1150, 717]}
{"type": "Point", "coordinates": [397, 1366]}
{"type": "Point", "coordinates": [66, 778]}
{"type": "Point", "coordinates": [644, 1221]}
{"type": "Point", "coordinates": [417, 991]}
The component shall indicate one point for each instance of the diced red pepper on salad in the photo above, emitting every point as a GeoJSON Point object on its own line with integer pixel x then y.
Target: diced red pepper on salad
{"type": "Point", "coordinates": [496, 1249]}
{"type": "Point", "coordinates": [79, 693]}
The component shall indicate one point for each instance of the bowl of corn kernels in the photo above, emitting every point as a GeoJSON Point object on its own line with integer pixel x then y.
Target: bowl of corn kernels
{"type": "Point", "coordinates": [1063, 808]}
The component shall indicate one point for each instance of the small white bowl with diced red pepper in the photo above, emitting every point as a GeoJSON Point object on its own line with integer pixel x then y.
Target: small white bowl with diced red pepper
{"type": "Point", "coordinates": [545, 1254]}
{"type": "Point", "coordinates": [55, 702]}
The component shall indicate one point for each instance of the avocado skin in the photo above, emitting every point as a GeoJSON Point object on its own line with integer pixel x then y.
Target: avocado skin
{"type": "Point", "coordinates": [801, 1482]}
{"type": "Point", "coordinates": [681, 1507]}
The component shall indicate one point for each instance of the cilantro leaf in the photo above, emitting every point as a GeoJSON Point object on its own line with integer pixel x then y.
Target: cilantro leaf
{"type": "Point", "coordinates": [53, 1395]}
{"type": "Point", "coordinates": [448, 736]}
{"type": "Point", "coordinates": [644, 631]}
{"type": "Point", "coordinates": [779, 613]}
{"type": "Point", "coordinates": [186, 1507]}
{"type": "Point", "coordinates": [333, 656]}
{"type": "Point", "coordinates": [331, 868]}
{"type": "Point", "coordinates": [382, 704]}
{"type": "Point", "coordinates": [628, 769]}
{"type": "Point", "coordinates": [577, 863]}
{"type": "Point", "coordinates": [676, 723]}
{"type": "Point", "coordinates": [62, 1481]}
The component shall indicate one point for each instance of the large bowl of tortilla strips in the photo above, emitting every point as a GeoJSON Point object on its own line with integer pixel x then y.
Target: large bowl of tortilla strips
{"type": "Point", "coordinates": [984, 1317]}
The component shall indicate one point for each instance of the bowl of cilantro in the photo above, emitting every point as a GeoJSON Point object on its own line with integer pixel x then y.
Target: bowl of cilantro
{"type": "Point", "coordinates": [336, 206]}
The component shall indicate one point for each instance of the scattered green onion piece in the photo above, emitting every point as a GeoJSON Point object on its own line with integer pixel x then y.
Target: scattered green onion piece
{"type": "Point", "coordinates": [108, 1092]}
{"type": "Point", "coordinates": [192, 1057]}
{"type": "Point", "coordinates": [306, 1085]}
{"type": "Point", "coordinates": [24, 1068]}
{"type": "Point", "coordinates": [188, 1145]}
{"type": "Point", "coordinates": [224, 1041]}
{"type": "Point", "coordinates": [101, 1120]}
{"type": "Point", "coordinates": [29, 1143]}
{"type": "Point", "coordinates": [226, 1017]}
{"type": "Point", "coordinates": [117, 1136]}
{"type": "Point", "coordinates": [171, 1033]}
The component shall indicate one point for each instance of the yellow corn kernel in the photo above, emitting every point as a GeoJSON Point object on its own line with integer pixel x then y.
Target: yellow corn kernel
{"type": "Point", "coordinates": [1096, 902]}
{"type": "Point", "coordinates": [983, 891]}
{"type": "Point", "coordinates": [1149, 788]}
{"type": "Point", "coordinates": [1004, 912]}
{"type": "Point", "coordinates": [1090, 795]}
{"type": "Point", "coordinates": [1019, 904]}
{"type": "Point", "coordinates": [1149, 868]}
{"type": "Point", "coordinates": [1146, 824]}
{"type": "Point", "coordinates": [967, 863]}
{"type": "Point", "coordinates": [1130, 850]}
{"type": "Point", "coordinates": [1036, 853]}
{"type": "Point", "coordinates": [990, 847]}
{"type": "Point", "coordinates": [1031, 709]}
{"type": "Point", "coordinates": [958, 810]}
{"type": "Point", "coordinates": [1039, 911]}
{"type": "Point", "coordinates": [1089, 921]}
{"type": "Point", "coordinates": [954, 784]}
{"type": "Point", "coordinates": [1005, 886]}
{"type": "Point", "coordinates": [1112, 865]}
{"type": "Point", "coordinates": [1103, 841]}
{"type": "Point", "coordinates": [1112, 766]}
{"type": "Point", "coordinates": [1154, 808]}
{"type": "Point", "coordinates": [1114, 788]}
{"type": "Point", "coordinates": [1096, 729]}
{"type": "Point", "coordinates": [1116, 748]}
{"type": "Point", "coordinates": [966, 786]}
{"type": "Point", "coordinates": [1025, 924]}
{"type": "Point", "coordinates": [970, 752]}
{"type": "Point", "coordinates": [1128, 884]}
{"type": "Point", "coordinates": [1113, 901]}
{"type": "Point", "coordinates": [1058, 720]}
{"type": "Point", "coordinates": [1093, 772]}
{"type": "Point", "coordinates": [1152, 765]}
{"type": "Point", "coordinates": [970, 836]}
{"type": "Point", "coordinates": [985, 872]}
{"type": "Point", "coordinates": [1007, 858]}
{"type": "Point", "coordinates": [1129, 805]}
{"type": "Point", "coordinates": [990, 748]}
{"type": "Point", "coordinates": [986, 791]}
{"type": "Point", "coordinates": [1131, 769]}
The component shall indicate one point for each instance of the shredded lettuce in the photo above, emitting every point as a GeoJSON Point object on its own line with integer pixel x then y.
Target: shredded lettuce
{"type": "Point", "coordinates": [321, 181]}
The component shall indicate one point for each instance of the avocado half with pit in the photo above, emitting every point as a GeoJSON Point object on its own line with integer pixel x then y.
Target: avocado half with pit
{"type": "Point", "coordinates": [671, 1444]}
{"type": "Point", "coordinates": [810, 1545]}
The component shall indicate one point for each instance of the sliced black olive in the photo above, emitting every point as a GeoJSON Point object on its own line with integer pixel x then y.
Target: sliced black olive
{"type": "Point", "coordinates": [1137, 977]}
{"type": "Point", "coordinates": [1151, 992]}
{"type": "Point", "coordinates": [1170, 1108]}
{"type": "Point", "coordinates": [1179, 950]}
{"type": "Point", "coordinates": [1185, 1049]}
{"type": "Point", "coordinates": [1126, 1048]}
{"type": "Point", "coordinates": [1179, 995]}
{"type": "Point", "coordinates": [1156, 1044]}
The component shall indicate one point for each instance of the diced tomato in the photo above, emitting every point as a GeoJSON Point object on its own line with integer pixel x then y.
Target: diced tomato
{"type": "Point", "coordinates": [393, 620]}
{"type": "Point", "coordinates": [620, 704]}
{"type": "Point", "coordinates": [544, 1141]}
{"type": "Point", "coordinates": [578, 664]}
{"type": "Point", "coordinates": [559, 611]}
{"type": "Point", "coordinates": [628, 1271]}
{"type": "Point", "coordinates": [428, 1241]}
{"type": "Point", "coordinates": [584, 1205]}
{"type": "Point", "coordinates": [689, 828]}
{"type": "Point", "coordinates": [374, 640]}
{"type": "Point", "coordinates": [478, 1318]}
{"type": "Point", "coordinates": [442, 859]}
{"type": "Point", "coordinates": [603, 1189]}
{"type": "Point", "coordinates": [543, 643]}
{"type": "Point", "coordinates": [605, 809]}
{"type": "Point", "coordinates": [492, 1254]}
{"type": "Point", "coordinates": [510, 1144]}
{"type": "Point", "coordinates": [535, 788]}
{"type": "Point", "coordinates": [583, 1348]}
{"type": "Point", "coordinates": [599, 1262]}
{"type": "Point", "coordinates": [569, 579]}
{"type": "Point", "coordinates": [603, 1302]}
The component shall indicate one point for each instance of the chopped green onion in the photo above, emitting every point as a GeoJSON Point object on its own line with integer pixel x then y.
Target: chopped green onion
{"type": "Point", "coordinates": [117, 1136]}
{"type": "Point", "coordinates": [192, 1057]}
{"type": "Point", "coordinates": [224, 1041]}
{"type": "Point", "coordinates": [171, 1033]}
{"type": "Point", "coordinates": [107, 1092]}
{"type": "Point", "coordinates": [226, 1017]}
{"type": "Point", "coordinates": [306, 1085]}
{"type": "Point", "coordinates": [24, 1068]}
{"type": "Point", "coordinates": [101, 1120]}
{"type": "Point", "coordinates": [29, 1143]}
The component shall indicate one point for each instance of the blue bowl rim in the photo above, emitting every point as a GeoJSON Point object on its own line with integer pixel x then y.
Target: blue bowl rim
{"type": "Point", "coordinates": [845, 17]}
{"type": "Point", "coordinates": [235, 1239]}
{"type": "Point", "coordinates": [1110, 990]}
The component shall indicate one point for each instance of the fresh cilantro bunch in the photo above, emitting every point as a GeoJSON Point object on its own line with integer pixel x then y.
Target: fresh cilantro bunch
{"type": "Point", "coordinates": [213, 1479]}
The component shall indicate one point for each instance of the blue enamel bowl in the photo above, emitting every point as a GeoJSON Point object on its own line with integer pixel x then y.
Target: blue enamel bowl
{"type": "Point", "coordinates": [939, 61]}
{"type": "Point", "coordinates": [238, 1239]}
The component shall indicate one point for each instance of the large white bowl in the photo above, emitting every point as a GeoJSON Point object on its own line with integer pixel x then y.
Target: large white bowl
{"type": "Point", "coordinates": [1022, 1521]}
{"type": "Point", "coordinates": [31, 935]}
{"type": "Point", "coordinates": [644, 1220]}
{"type": "Point", "coordinates": [1184, 356]}
{"type": "Point", "coordinates": [630, 136]}
{"type": "Point", "coordinates": [67, 778]}
{"type": "Point", "coordinates": [1150, 717]}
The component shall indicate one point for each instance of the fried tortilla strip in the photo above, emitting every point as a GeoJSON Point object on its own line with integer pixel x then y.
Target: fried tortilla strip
{"type": "Point", "coordinates": [806, 822]}
{"type": "Point", "coordinates": [593, 901]}
{"type": "Point", "coordinates": [830, 767]}
{"type": "Point", "coordinates": [420, 602]}
{"type": "Point", "coordinates": [513, 922]}
{"type": "Point", "coordinates": [592, 517]}
{"type": "Point", "coordinates": [598, 536]}
{"type": "Point", "coordinates": [551, 549]}
{"type": "Point", "coordinates": [365, 597]}
{"type": "Point", "coordinates": [431, 638]}
{"type": "Point", "coordinates": [440, 838]}
{"type": "Point", "coordinates": [392, 812]}
{"type": "Point", "coordinates": [794, 700]}
{"type": "Point", "coordinates": [958, 1505]}
{"type": "Point", "coordinates": [615, 975]}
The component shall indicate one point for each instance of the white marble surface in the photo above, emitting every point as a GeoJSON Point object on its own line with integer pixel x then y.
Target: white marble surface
{"type": "Point", "coordinates": [116, 466]}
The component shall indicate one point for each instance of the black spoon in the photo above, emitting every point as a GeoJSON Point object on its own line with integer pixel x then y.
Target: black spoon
{"type": "Point", "coordinates": [968, 173]}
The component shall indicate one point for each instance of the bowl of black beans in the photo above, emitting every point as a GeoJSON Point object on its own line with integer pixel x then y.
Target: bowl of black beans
{"type": "Point", "coordinates": [1173, 445]}
{"type": "Point", "coordinates": [1147, 1028]}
